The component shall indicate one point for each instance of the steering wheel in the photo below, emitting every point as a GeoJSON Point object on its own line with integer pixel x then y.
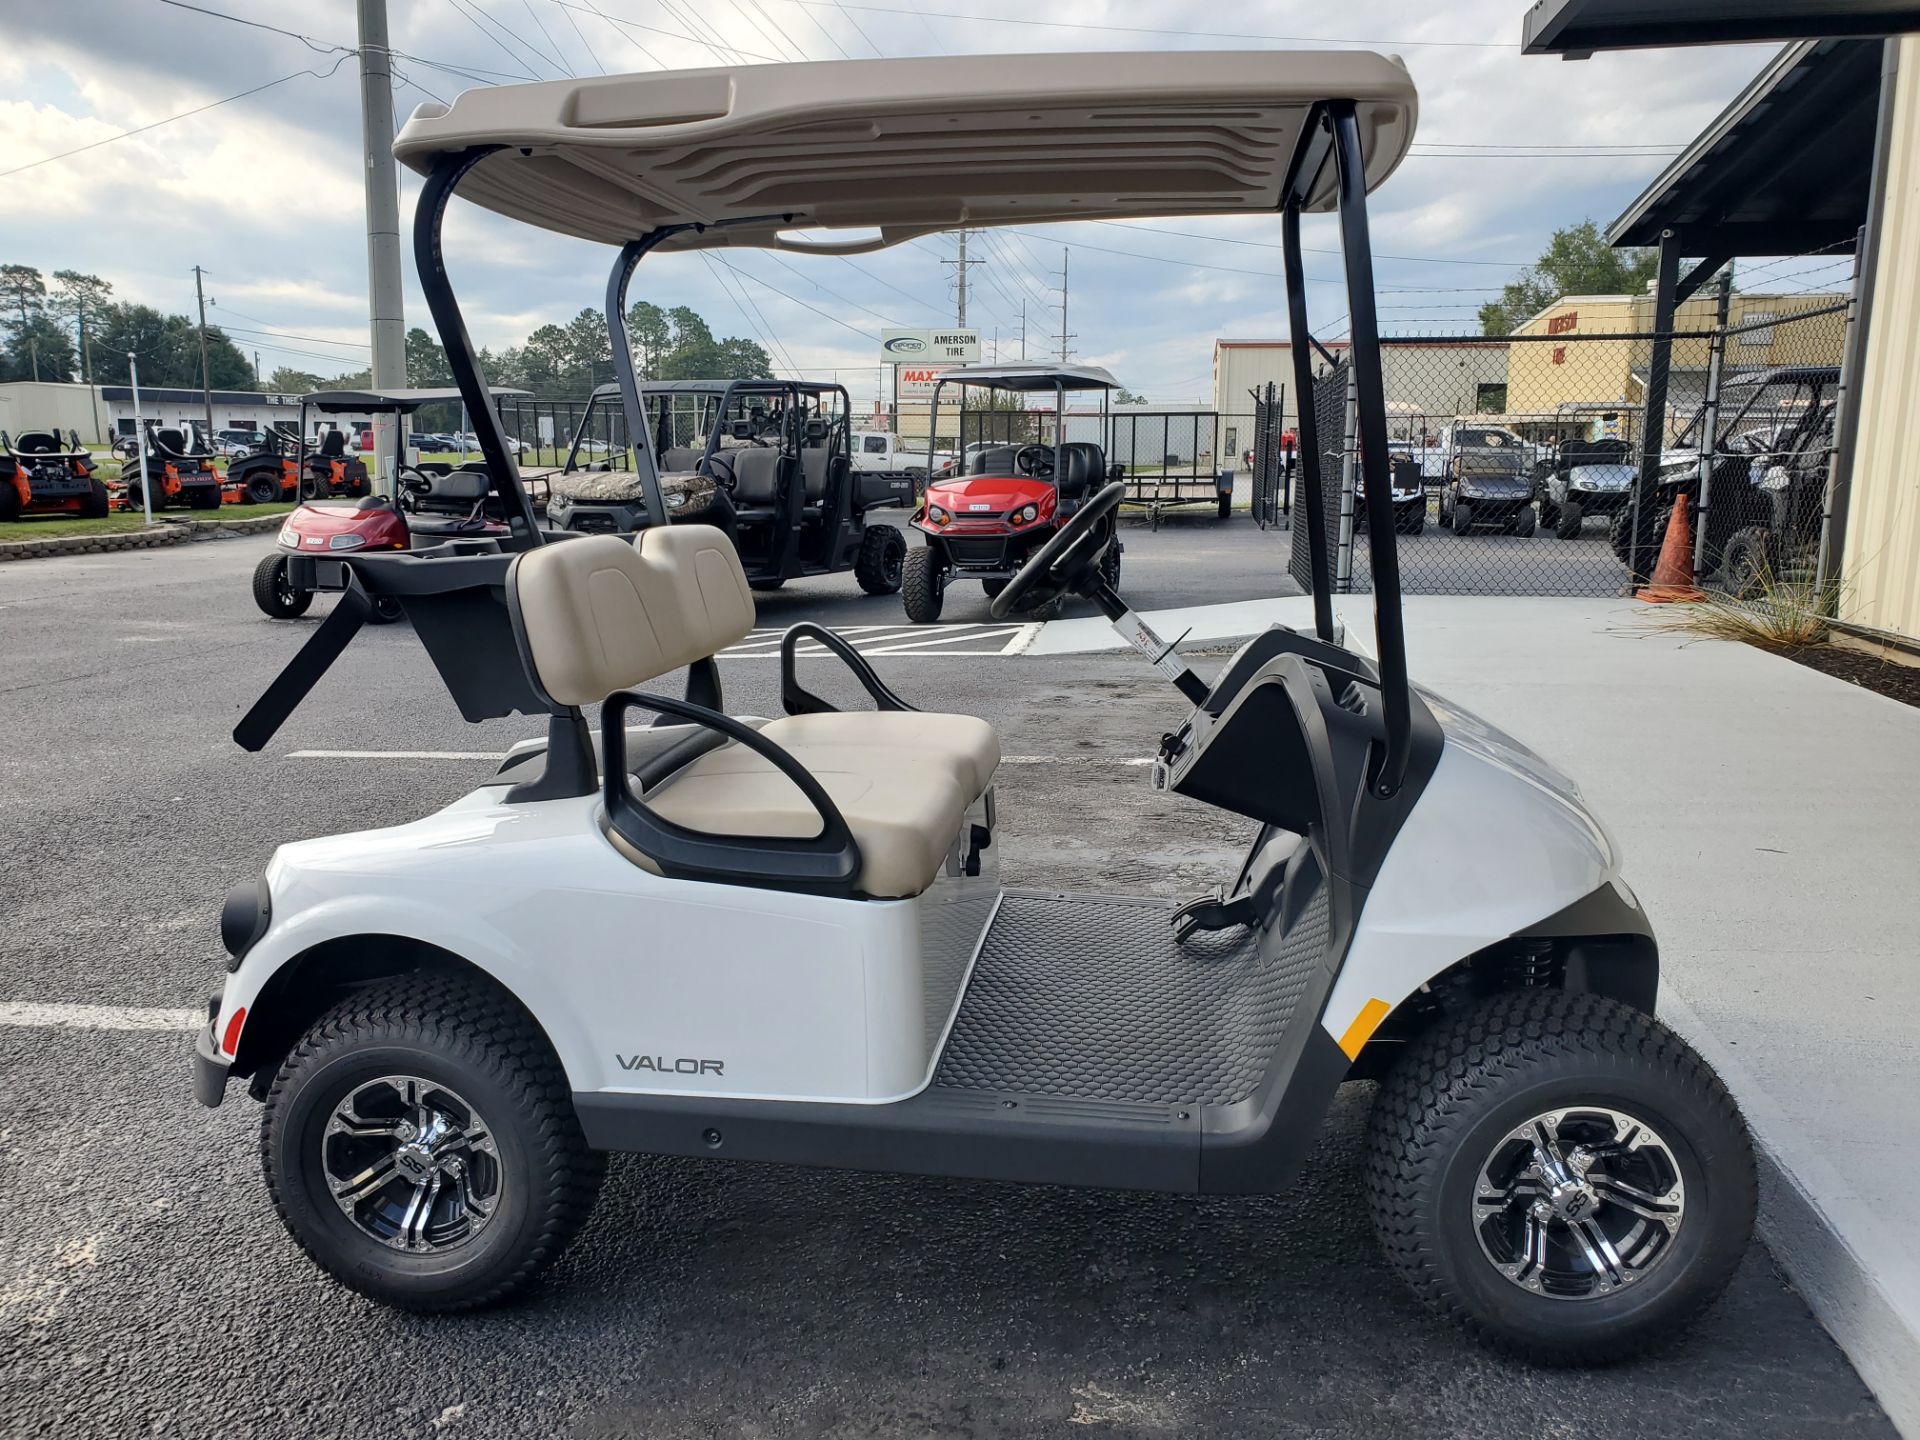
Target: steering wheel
{"type": "Point", "coordinates": [1068, 560]}
{"type": "Point", "coordinates": [413, 484]}
{"type": "Point", "coordinates": [1034, 460]}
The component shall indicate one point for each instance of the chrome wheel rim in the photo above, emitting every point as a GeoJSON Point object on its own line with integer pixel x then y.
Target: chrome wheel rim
{"type": "Point", "coordinates": [1579, 1203]}
{"type": "Point", "coordinates": [412, 1165]}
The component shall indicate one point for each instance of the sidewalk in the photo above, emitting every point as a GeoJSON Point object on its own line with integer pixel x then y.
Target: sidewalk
{"type": "Point", "coordinates": [1770, 817]}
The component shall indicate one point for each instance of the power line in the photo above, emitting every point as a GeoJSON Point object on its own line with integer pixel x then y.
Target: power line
{"type": "Point", "coordinates": [541, 26]}
{"type": "Point", "coordinates": [1307, 249]}
{"type": "Point", "coordinates": [823, 314]}
{"type": "Point", "coordinates": [746, 304]}
{"type": "Point", "coordinates": [524, 69]}
{"type": "Point", "coordinates": [656, 30]}
{"type": "Point", "coordinates": [792, 269]}
{"type": "Point", "coordinates": [183, 115]}
{"type": "Point", "coordinates": [592, 54]}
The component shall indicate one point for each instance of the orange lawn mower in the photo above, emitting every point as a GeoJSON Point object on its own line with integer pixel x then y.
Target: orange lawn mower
{"type": "Point", "coordinates": [267, 473]}
{"type": "Point", "coordinates": [40, 475]}
{"type": "Point", "coordinates": [177, 472]}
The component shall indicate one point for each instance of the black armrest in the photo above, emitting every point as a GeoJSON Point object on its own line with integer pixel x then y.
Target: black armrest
{"type": "Point", "coordinates": [303, 672]}
{"type": "Point", "coordinates": [826, 863]}
{"type": "Point", "coordinates": [799, 701]}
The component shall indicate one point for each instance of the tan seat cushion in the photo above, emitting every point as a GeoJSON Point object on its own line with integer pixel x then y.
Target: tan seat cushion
{"type": "Point", "coordinates": [965, 744]}
{"type": "Point", "coordinates": [904, 815]}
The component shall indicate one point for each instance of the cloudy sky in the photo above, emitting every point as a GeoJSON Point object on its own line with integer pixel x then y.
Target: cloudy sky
{"type": "Point", "coordinates": [265, 190]}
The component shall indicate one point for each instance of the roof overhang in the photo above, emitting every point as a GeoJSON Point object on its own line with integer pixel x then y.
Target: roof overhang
{"type": "Point", "coordinates": [398, 402]}
{"type": "Point", "coordinates": [1575, 29]}
{"type": "Point", "coordinates": [1783, 170]}
{"type": "Point", "coordinates": [911, 146]}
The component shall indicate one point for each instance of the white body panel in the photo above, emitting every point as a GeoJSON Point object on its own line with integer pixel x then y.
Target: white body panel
{"type": "Point", "coordinates": [1498, 841]}
{"type": "Point", "coordinates": [638, 978]}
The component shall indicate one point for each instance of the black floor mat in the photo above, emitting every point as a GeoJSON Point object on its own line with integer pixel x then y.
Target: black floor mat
{"type": "Point", "coordinates": [1092, 998]}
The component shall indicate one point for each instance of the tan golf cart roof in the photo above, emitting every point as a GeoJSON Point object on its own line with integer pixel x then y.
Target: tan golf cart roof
{"type": "Point", "coordinates": [910, 146]}
{"type": "Point", "coordinates": [1031, 377]}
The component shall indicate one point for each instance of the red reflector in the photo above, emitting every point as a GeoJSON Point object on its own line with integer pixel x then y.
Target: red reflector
{"type": "Point", "coordinates": [231, 1041]}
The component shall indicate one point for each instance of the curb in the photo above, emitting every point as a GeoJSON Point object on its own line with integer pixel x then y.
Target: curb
{"type": "Point", "coordinates": [1839, 1257]}
{"type": "Point", "coordinates": [162, 532]}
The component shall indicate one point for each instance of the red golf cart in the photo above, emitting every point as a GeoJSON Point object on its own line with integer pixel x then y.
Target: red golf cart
{"type": "Point", "coordinates": [431, 505]}
{"type": "Point", "coordinates": [1007, 493]}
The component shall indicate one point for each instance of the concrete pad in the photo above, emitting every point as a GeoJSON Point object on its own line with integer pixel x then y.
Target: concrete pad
{"type": "Point", "coordinates": [1768, 814]}
{"type": "Point", "coordinates": [1202, 624]}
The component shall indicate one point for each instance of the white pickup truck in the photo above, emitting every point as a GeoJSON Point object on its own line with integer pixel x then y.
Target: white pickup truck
{"type": "Point", "coordinates": [883, 452]}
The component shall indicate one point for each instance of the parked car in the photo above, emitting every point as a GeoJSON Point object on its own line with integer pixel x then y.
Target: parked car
{"type": "Point", "coordinates": [883, 452]}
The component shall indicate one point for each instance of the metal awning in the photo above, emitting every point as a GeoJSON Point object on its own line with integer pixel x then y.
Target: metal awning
{"type": "Point", "coordinates": [910, 146]}
{"type": "Point", "coordinates": [1029, 378]}
{"type": "Point", "coordinates": [396, 402]}
{"type": "Point", "coordinates": [1577, 28]}
{"type": "Point", "coordinates": [1785, 169]}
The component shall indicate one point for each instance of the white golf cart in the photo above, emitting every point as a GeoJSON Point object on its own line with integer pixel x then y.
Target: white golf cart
{"type": "Point", "coordinates": [785, 940]}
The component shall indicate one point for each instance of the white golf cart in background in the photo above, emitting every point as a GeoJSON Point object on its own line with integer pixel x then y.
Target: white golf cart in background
{"type": "Point", "coordinates": [785, 940]}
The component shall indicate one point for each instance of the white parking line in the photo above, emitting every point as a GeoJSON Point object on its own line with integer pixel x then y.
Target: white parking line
{"type": "Point", "coordinates": [34, 1015]}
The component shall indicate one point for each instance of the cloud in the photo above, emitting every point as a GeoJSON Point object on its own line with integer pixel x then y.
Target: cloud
{"type": "Point", "coordinates": [265, 192]}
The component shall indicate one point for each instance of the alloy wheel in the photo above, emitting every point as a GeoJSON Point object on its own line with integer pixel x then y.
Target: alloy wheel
{"type": "Point", "coordinates": [1578, 1203]}
{"type": "Point", "coordinates": [411, 1164]}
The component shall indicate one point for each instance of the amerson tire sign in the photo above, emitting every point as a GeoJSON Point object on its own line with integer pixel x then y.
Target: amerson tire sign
{"type": "Point", "coordinates": [918, 356]}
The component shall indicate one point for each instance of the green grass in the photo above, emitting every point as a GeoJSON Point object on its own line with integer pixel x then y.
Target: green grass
{"type": "Point", "coordinates": [50, 527]}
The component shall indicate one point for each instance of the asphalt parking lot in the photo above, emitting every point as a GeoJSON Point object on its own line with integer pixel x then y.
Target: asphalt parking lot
{"type": "Point", "coordinates": [147, 1287]}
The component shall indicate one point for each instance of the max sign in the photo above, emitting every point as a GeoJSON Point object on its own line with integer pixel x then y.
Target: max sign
{"type": "Point", "coordinates": [930, 347]}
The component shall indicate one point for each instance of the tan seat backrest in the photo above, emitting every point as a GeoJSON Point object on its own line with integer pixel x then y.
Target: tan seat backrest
{"type": "Point", "coordinates": [598, 614]}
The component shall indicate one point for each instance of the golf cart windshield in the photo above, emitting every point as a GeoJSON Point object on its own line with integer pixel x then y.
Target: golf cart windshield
{"type": "Point", "coordinates": [882, 151]}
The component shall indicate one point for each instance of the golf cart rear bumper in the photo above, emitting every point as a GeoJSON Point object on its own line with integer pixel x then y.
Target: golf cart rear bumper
{"type": "Point", "coordinates": [210, 1070]}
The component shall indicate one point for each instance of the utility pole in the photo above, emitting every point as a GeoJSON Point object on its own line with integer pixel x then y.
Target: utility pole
{"type": "Point", "coordinates": [383, 229]}
{"type": "Point", "coordinates": [1065, 334]}
{"type": "Point", "coordinates": [960, 269]}
{"type": "Point", "coordinates": [206, 384]}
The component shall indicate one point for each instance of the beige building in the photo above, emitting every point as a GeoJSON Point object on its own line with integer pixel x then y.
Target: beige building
{"type": "Point", "coordinates": [1567, 361]}
{"type": "Point", "coordinates": [1434, 378]}
{"type": "Point", "coordinates": [1881, 572]}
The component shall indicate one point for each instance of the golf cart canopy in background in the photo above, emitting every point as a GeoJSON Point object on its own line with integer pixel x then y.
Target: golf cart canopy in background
{"type": "Point", "coordinates": [748, 155]}
{"type": "Point", "coordinates": [391, 402]}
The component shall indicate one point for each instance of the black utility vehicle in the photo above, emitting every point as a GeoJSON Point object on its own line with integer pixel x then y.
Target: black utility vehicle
{"type": "Point", "coordinates": [766, 461]}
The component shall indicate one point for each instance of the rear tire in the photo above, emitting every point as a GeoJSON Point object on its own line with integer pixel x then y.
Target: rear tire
{"type": "Point", "coordinates": [993, 587]}
{"type": "Point", "coordinates": [465, 1043]}
{"type": "Point", "coordinates": [385, 610]}
{"type": "Point", "coordinates": [9, 502]}
{"type": "Point", "coordinates": [922, 588]}
{"type": "Point", "coordinates": [1549, 512]}
{"type": "Point", "coordinates": [208, 499]}
{"type": "Point", "coordinates": [263, 489]}
{"type": "Point", "coordinates": [766, 586]}
{"type": "Point", "coordinates": [1747, 568]}
{"type": "Point", "coordinates": [1451, 1107]}
{"type": "Point", "coordinates": [882, 560]}
{"type": "Point", "coordinates": [1110, 565]}
{"type": "Point", "coordinates": [1523, 523]}
{"type": "Point", "coordinates": [1226, 506]}
{"type": "Point", "coordinates": [272, 592]}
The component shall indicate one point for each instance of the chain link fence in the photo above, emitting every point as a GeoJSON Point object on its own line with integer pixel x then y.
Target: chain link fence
{"type": "Point", "coordinates": [1555, 485]}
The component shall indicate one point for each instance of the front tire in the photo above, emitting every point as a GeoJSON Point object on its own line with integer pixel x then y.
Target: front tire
{"type": "Point", "coordinates": [1561, 1175]}
{"type": "Point", "coordinates": [1523, 523]}
{"type": "Point", "coordinates": [882, 560]}
{"type": "Point", "coordinates": [922, 588]}
{"type": "Point", "coordinates": [1567, 522]}
{"type": "Point", "coordinates": [1462, 517]}
{"type": "Point", "coordinates": [274, 593]}
{"type": "Point", "coordinates": [442, 1078]}
{"type": "Point", "coordinates": [97, 503]}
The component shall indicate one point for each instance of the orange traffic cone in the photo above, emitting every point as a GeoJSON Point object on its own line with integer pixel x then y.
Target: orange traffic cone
{"type": "Point", "coordinates": [1673, 574]}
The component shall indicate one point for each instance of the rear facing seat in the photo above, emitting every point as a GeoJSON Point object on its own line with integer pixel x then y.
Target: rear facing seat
{"type": "Point", "coordinates": [598, 614]}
